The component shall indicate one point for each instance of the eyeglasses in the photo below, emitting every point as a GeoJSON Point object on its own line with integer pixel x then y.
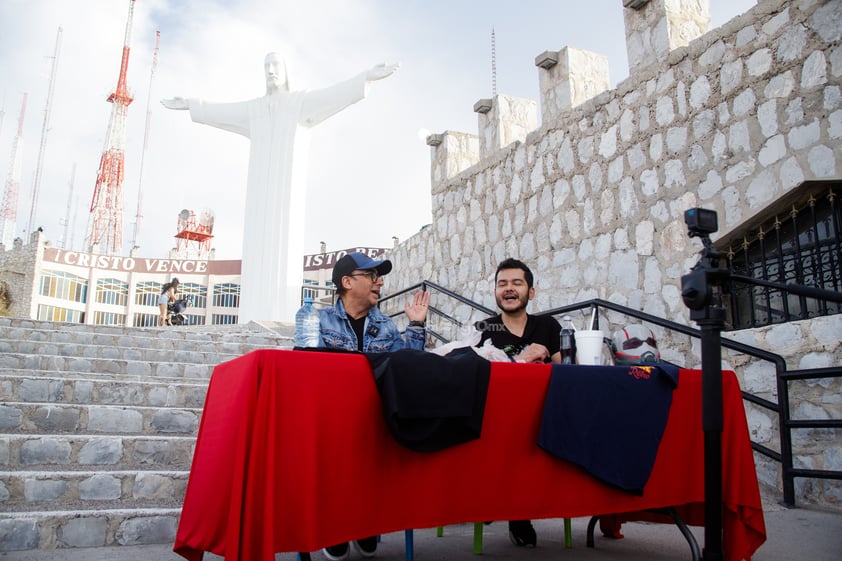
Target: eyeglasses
{"type": "Point", "coordinates": [370, 273]}
{"type": "Point", "coordinates": [634, 343]}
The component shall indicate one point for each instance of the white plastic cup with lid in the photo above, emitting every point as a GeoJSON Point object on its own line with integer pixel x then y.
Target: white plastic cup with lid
{"type": "Point", "coordinates": [589, 346]}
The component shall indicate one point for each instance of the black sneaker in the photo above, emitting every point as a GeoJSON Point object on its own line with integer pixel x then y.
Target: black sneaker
{"type": "Point", "coordinates": [366, 546]}
{"type": "Point", "coordinates": [337, 552]}
{"type": "Point", "coordinates": [522, 533]}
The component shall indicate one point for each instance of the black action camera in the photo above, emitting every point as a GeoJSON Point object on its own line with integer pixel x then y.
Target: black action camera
{"type": "Point", "coordinates": [701, 222]}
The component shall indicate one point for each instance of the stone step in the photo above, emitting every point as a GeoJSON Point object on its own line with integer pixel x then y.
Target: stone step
{"type": "Point", "coordinates": [91, 490]}
{"type": "Point", "coordinates": [49, 388]}
{"type": "Point", "coordinates": [60, 418]}
{"type": "Point", "coordinates": [82, 365]}
{"type": "Point", "coordinates": [98, 427]}
{"type": "Point", "coordinates": [132, 337]}
{"type": "Point", "coordinates": [72, 528]}
{"type": "Point", "coordinates": [213, 354]}
{"type": "Point", "coordinates": [252, 334]}
{"type": "Point", "coordinates": [10, 373]}
{"type": "Point", "coordinates": [75, 452]}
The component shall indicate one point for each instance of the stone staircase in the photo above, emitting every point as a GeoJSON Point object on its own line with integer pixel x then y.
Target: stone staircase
{"type": "Point", "coordinates": [98, 424]}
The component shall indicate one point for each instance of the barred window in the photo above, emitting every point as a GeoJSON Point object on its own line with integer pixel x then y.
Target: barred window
{"type": "Point", "coordinates": [145, 320]}
{"type": "Point", "coordinates": [146, 294]}
{"type": "Point", "coordinates": [53, 313]}
{"type": "Point", "coordinates": [224, 319]}
{"type": "Point", "coordinates": [226, 296]}
{"type": "Point", "coordinates": [796, 241]}
{"type": "Point", "coordinates": [309, 292]}
{"type": "Point", "coordinates": [65, 286]}
{"type": "Point", "coordinates": [197, 294]}
{"type": "Point", "coordinates": [109, 318]}
{"type": "Point", "coordinates": [195, 319]}
{"type": "Point", "coordinates": [112, 291]}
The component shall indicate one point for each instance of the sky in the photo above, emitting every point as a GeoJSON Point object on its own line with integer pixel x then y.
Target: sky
{"type": "Point", "coordinates": [369, 165]}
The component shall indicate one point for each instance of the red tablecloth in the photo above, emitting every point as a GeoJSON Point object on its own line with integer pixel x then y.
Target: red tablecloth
{"type": "Point", "coordinates": [293, 455]}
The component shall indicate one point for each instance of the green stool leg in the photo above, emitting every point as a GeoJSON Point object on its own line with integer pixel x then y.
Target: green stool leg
{"type": "Point", "coordinates": [478, 538]}
{"type": "Point", "coordinates": [439, 531]}
{"type": "Point", "coordinates": [568, 533]}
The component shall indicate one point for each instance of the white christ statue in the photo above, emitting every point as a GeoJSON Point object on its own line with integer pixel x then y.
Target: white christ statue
{"type": "Point", "coordinates": [273, 227]}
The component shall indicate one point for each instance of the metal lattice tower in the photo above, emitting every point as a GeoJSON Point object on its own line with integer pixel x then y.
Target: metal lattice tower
{"type": "Point", "coordinates": [9, 210]}
{"type": "Point", "coordinates": [65, 222]}
{"type": "Point", "coordinates": [45, 127]}
{"type": "Point", "coordinates": [493, 64]}
{"type": "Point", "coordinates": [105, 232]}
{"type": "Point", "coordinates": [139, 213]}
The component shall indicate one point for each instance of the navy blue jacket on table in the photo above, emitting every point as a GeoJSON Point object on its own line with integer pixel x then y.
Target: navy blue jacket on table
{"type": "Point", "coordinates": [608, 420]}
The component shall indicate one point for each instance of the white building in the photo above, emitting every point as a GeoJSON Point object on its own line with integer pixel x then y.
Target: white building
{"type": "Point", "coordinates": [41, 282]}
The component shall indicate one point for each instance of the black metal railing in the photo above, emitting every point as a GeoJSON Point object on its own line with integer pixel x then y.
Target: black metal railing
{"type": "Point", "coordinates": [786, 424]}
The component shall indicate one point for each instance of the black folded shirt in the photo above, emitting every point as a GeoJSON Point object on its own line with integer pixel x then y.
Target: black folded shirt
{"type": "Point", "coordinates": [431, 402]}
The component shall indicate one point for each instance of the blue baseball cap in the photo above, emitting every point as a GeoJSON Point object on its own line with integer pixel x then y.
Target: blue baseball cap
{"type": "Point", "coordinates": [356, 260]}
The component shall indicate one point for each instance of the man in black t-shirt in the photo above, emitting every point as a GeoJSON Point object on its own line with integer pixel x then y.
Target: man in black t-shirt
{"type": "Point", "coordinates": [524, 338]}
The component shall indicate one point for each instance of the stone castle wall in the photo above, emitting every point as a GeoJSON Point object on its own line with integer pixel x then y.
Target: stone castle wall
{"type": "Point", "coordinates": [594, 199]}
{"type": "Point", "coordinates": [19, 272]}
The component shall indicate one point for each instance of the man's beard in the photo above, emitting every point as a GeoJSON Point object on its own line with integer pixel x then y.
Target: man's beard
{"type": "Point", "coordinates": [522, 302]}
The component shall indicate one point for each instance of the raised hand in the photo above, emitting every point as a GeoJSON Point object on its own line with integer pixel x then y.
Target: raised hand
{"type": "Point", "coordinates": [418, 310]}
{"type": "Point", "coordinates": [176, 103]}
{"type": "Point", "coordinates": [381, 71]}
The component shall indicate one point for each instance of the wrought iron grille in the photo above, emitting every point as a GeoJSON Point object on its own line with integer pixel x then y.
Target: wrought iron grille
{"type": "Point", "coordinates": [800, 244]}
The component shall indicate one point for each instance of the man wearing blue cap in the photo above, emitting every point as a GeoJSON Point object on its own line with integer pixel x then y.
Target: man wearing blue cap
{"type": "Point", "coordinates": [355, 323]}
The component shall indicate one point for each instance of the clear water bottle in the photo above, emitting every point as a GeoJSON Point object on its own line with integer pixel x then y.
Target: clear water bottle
{"type": "Point", "coordinates": [568, 341]}
{"type": "Point", "coordinates": [307, 325]}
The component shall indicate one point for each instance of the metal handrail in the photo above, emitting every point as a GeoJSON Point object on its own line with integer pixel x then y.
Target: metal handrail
{"type": "Point", "coordinates": [783, 377]}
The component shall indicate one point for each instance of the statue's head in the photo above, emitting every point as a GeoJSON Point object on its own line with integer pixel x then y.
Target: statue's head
{"type": "Point", "coordinates": [276, 73]}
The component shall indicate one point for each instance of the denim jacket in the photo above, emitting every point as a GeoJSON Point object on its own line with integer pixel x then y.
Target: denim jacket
{"type": "Point", "coordinates": [381, 334]}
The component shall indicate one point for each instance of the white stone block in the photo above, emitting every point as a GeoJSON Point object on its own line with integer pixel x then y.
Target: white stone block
{"type": "Point", "coordinates": [780, 86]}
{"type": "Point", "coordinates": [740, 170]}
{"type": "Point", "coordinates": [776, 23]}
{"type": "Point", "coordinates": [791, 44]}
{"type": "Point", "coordinates": [664, 111]}
{"type": "Point", "coordinates": [739, 139]}
{"type": "Point", "coordinates": [822, 162]}
{"type": "Point", "coordinates": [802, 137]}
{"type": "Point", "coordinates": [814, 70]}
{"type": "Point", "coordinates": [759, 62]}
{"type": "Point", "coordinates": [711, 185]}
{"type": "Point", "coordinates": [730, 76]}
{"type": "Point", "coordinates": [761, 189]}
{"type": "Point", "coordinates": [773, 150]}
{"type": "Point", "coordinates": [794, 112]}
{"type": "Point", "coordinates": [791, 174]}
{"type": "Point", "coordinates": [674, 174]}
{"type": "Point", "coordinates": [744, 103]}
{"type": "Point", "coordinates": [700, 92]}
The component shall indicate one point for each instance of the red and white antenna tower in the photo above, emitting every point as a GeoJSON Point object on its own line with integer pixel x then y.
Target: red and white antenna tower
{"type": "Point", "coordinates": [139, 213]}
{"type": "Point", "coordinates": [194, 236]}
{"type": "Point", "coordinates": [105, 233]}
{"type": "Point", "coordinates": [9, 210]}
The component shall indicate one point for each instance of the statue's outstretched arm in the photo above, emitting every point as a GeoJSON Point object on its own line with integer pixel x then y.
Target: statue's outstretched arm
{"type": "Point", "coordinates": [176, 103]}
{"type": "Point", "coordinates": [381, 71]}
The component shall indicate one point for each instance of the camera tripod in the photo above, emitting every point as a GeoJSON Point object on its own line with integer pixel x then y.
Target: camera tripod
{"type": "Point", "coordinates": [701, 290]}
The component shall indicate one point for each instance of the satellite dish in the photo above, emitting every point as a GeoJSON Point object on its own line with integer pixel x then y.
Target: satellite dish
{"type": "Point", "coordinates": [184, 214]}
{"type": "Point", "coordinates": [206, 217]}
